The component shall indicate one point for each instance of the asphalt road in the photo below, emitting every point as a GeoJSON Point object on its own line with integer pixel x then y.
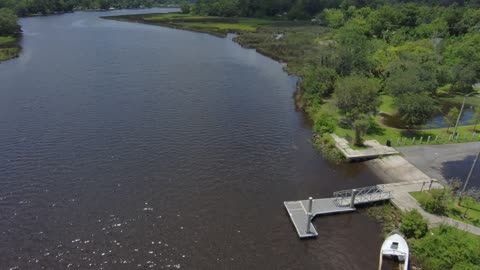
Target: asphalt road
{"type": "Point", "coordinates": [444, 162]}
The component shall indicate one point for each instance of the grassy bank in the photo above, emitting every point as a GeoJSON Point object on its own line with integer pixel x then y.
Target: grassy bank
{"type": "Point", "coordinates": [217, 26]}
{"type": "Point", "coordinates": [440, 248]}
{"type": "Point", "coordinates": [447, 248]}
{"type": "Point", "coordinates": [468, 211]}
{"type": "Point", "coordinates": [290, 42]}
{"type": "Point", "coordinates": [8, 48]}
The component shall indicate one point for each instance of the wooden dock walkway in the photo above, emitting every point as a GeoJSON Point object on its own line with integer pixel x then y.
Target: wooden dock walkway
{"type": "Point", "coordinates": [302, 212]}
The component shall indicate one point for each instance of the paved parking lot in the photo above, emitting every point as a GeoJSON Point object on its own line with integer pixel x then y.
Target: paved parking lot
{"type": "Point", "coordinates": [444, 162]}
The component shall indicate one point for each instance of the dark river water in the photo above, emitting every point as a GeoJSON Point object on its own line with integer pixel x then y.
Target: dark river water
{"type": "Point", "coordinates": [129, 146]}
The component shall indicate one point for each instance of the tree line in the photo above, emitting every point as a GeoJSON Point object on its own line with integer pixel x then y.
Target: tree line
{"type": "Point", "coordinates": [408, 51]}
{"type": "Point", "coordinates": [299, 9]}
{"type": "Point", "coordinates": [28, 7]}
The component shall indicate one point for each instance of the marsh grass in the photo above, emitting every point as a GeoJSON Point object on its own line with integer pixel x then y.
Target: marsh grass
{"type": "Point", "coordinates": [9, 48]}
{"type": "Point", "coordinates": [7, 40]}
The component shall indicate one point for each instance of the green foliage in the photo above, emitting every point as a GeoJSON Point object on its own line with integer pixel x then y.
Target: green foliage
{"type": "Point", "coordinates": [464, 58]}
{"type": "Point", "coordinates": [185, 7]}
{"type": "Point", "coordinates": [414, 225]}
{"type": "Point", "coordinates": [448, 248]}
{"type": "Point", "coordinates": [8, 23]}
{"type": "Point", "coordinates": [28, 7]}
{"type": "Point", "coordinates": [356, 95]}
{"type": "Point", "coordinates": [410, 77]}
{"type": "Point", "coordinates": [415, 109]}
{"type": "Point", "coordinates": [6, 40]}
{"type": "Point", "coordinates": [476, 118]}
{"type": "Point", "coordinates": [325, 123]}
{"type": "Point", "coordinates": [435, 202]}
{"type": "Point", "coordinates": [360, 125]}
{"type": "Point", "coordinates": [326, 145]}
{"type": "Point", "coordinates": [353, 48]}
{"type": "Point", "coordinates": [8, 53]}
{"type": "Point", "coordinates": [451, 117]}
{"type": "Point", "coordinates": [334, 17]}
{"type": "Point", "coordinates": [319, 80]}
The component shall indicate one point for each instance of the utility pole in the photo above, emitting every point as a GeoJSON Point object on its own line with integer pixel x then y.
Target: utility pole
{"type": "Point", "coordinates": [469, 176]}
{"type": "Point", "coordinates": [459, 115]}
{"type": "Point", "coordinates": [461, 111]}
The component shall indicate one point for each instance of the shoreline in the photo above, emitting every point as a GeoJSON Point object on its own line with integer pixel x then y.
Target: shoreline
{"type": "Point", "coordinates": [10, 49]}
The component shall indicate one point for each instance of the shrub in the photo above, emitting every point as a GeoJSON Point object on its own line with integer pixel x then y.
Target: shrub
{"type": "Point", "coordinates": [448, 248]}
{"type": "Point", "coordinates": [326, 145]}
{"type": "Point", "coordinates": [435, 202]}
{"type": "Point", "coordinates": [413, 225]}
{"type": "Point", "coordinates": [325, 123]}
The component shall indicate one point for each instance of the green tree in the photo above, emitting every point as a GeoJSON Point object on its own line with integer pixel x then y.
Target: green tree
{"type": "Point", "coordinates": [318, 80]}
{"type": "Point", "coordinates": [356, 95]}
{"type": "Point", "coordinates": [334, 17]}
{"type": "Point", "coordinates": [410, 77]}
{"type": "Point", "coordinates": [415, 109]}
{"type": "Point", "coordinates": [435, 201]}
{"type": "Point", "coordinates": [451, 117]}
{"type": "Point", "coordinates": [414, 225]}
{"type": "Point", "coordinates": [324, 123]}
{"type": "Point", "coordinates": [185, 7]}
{"type": "Point", "coordinates": [360, 127]}
{"type": "Point", "coordinates": [8, 23]}
{"type": "Point", "coordinates": [227, 8]}
{"type": "Point", "coordinates": [353, 47]}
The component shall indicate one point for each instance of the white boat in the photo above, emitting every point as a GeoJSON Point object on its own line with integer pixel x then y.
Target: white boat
{"type": "Point", "coordinates": [395, 247]}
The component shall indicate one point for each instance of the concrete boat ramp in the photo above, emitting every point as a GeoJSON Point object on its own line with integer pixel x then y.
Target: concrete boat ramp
{"type": "Point", "coordinates": [302, 212]}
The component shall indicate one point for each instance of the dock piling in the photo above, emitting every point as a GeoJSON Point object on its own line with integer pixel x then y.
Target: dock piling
{"type": "Point", "coordinates": [309, 215]}
{"type": "Point", "coordinates": [352, 202]}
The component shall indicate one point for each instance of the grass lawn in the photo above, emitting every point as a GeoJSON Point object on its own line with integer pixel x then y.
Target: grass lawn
{"type": "Point", "coordinates": [468, 212]}
{"type": "Point", "coordinates": [387, 105]}
{"type": "Point", "coordinates": [5, 40]}
{"type": "Point", "coordinates": [383, 133]}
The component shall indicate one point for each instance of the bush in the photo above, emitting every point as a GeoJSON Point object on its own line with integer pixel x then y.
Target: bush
{"type": "Point", "coordinates": [326, 145]}
{"type": "Point", "coordinates": [435, 202]}
{"type": "Point", "coordinates": [318, 80]}
{"type": "Point", "coordinates": [413, 225]}
{"type": "Point", "coordinates": [8, 23]}
{"type": "Point", "coordinates": [325, 123]}
{"type": "Point", "coordinates": [448, 248]}
{"type": "Point", "coordinates": [185, 7]}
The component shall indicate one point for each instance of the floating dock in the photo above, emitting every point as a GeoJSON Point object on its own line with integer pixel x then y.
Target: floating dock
{"type": "Point", "coordinates": [302, 212]}
{"type": "Point", "coordinates": [299, 214]}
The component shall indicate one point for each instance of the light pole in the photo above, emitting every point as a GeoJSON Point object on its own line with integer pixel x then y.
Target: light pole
{"type": "Point", "coordinates": [461, 111]}
{"type": "Point", "coordinates": [469, 176]}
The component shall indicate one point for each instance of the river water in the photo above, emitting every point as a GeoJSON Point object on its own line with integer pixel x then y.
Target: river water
{"type": "Point", "coordinates": [129, 146]}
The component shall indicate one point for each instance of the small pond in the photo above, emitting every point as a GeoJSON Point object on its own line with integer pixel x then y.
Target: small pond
{"type": "Point", "coordinates": [437, 120]}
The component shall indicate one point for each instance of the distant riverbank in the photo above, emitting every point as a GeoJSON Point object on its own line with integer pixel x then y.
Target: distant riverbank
{"type": "Point", "coordinates": [299, 44]}
{"type": "Point", "coordinates": [292, 42]}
